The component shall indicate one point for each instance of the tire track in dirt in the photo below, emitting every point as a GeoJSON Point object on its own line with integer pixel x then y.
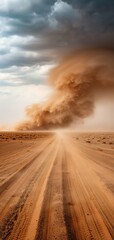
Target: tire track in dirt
{"type": "Point", "coordinates": [19, 173]}
{"type": "Point", "coordinates": [68, 203]}
{"type": "Point", "coordinates": [12, 216]}
{"type": "Point", "coordinates": [16, 175]}
{"type": "Point", "coordinates": [51, 223]}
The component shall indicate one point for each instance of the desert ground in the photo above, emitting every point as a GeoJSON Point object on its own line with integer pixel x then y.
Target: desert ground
{"type": "Point", "coordinates": [56, 186]}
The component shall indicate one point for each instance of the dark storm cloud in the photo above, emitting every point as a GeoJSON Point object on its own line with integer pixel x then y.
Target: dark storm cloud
{"type": "Point", "coordinates": [63, 24]}
{"type": "Point", "coordinates": [55, 26]}
{"type": "Point", "coordinates": [80, 17]}
{"type": "Point", "coordinates": [23, 61]}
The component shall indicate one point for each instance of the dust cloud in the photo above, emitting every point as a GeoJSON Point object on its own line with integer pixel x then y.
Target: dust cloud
{"type": "Point", "coordinates": [4, 128]}
{"type": "Point", "coordinates": [79, 80]}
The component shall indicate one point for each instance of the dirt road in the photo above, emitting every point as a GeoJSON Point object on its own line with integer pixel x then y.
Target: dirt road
{"type": "Point", "coordinates": [57, 186]}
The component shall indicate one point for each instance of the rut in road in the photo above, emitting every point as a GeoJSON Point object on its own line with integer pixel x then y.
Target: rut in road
{"type": "Point", "coordinates": [51, 222]}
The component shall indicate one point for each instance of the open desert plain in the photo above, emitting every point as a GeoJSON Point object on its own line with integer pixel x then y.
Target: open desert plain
{"type": "Point", "coordinates": [56, 186]}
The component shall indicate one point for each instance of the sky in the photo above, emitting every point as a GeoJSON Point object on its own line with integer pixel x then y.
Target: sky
{"type": "Point", "coordinates": [34, 35]}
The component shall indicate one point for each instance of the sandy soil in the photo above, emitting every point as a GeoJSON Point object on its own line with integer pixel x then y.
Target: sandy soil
{"type": "Point", "coordinates": [56, 186]}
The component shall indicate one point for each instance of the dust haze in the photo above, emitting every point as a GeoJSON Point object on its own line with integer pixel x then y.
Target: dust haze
{"type": "Point", "coordinates": [81, 79]}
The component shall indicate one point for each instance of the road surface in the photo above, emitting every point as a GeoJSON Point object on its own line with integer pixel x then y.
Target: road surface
{"type": "Point", "coordinates": [57, 187]}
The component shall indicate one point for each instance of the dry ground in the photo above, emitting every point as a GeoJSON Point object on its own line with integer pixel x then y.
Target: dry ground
{"type": "Point", "coordinates": [56, 186]}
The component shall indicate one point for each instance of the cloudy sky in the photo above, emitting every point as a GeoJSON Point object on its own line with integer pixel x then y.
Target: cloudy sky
{"type": "Point", "coordinates": [34, 34]}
